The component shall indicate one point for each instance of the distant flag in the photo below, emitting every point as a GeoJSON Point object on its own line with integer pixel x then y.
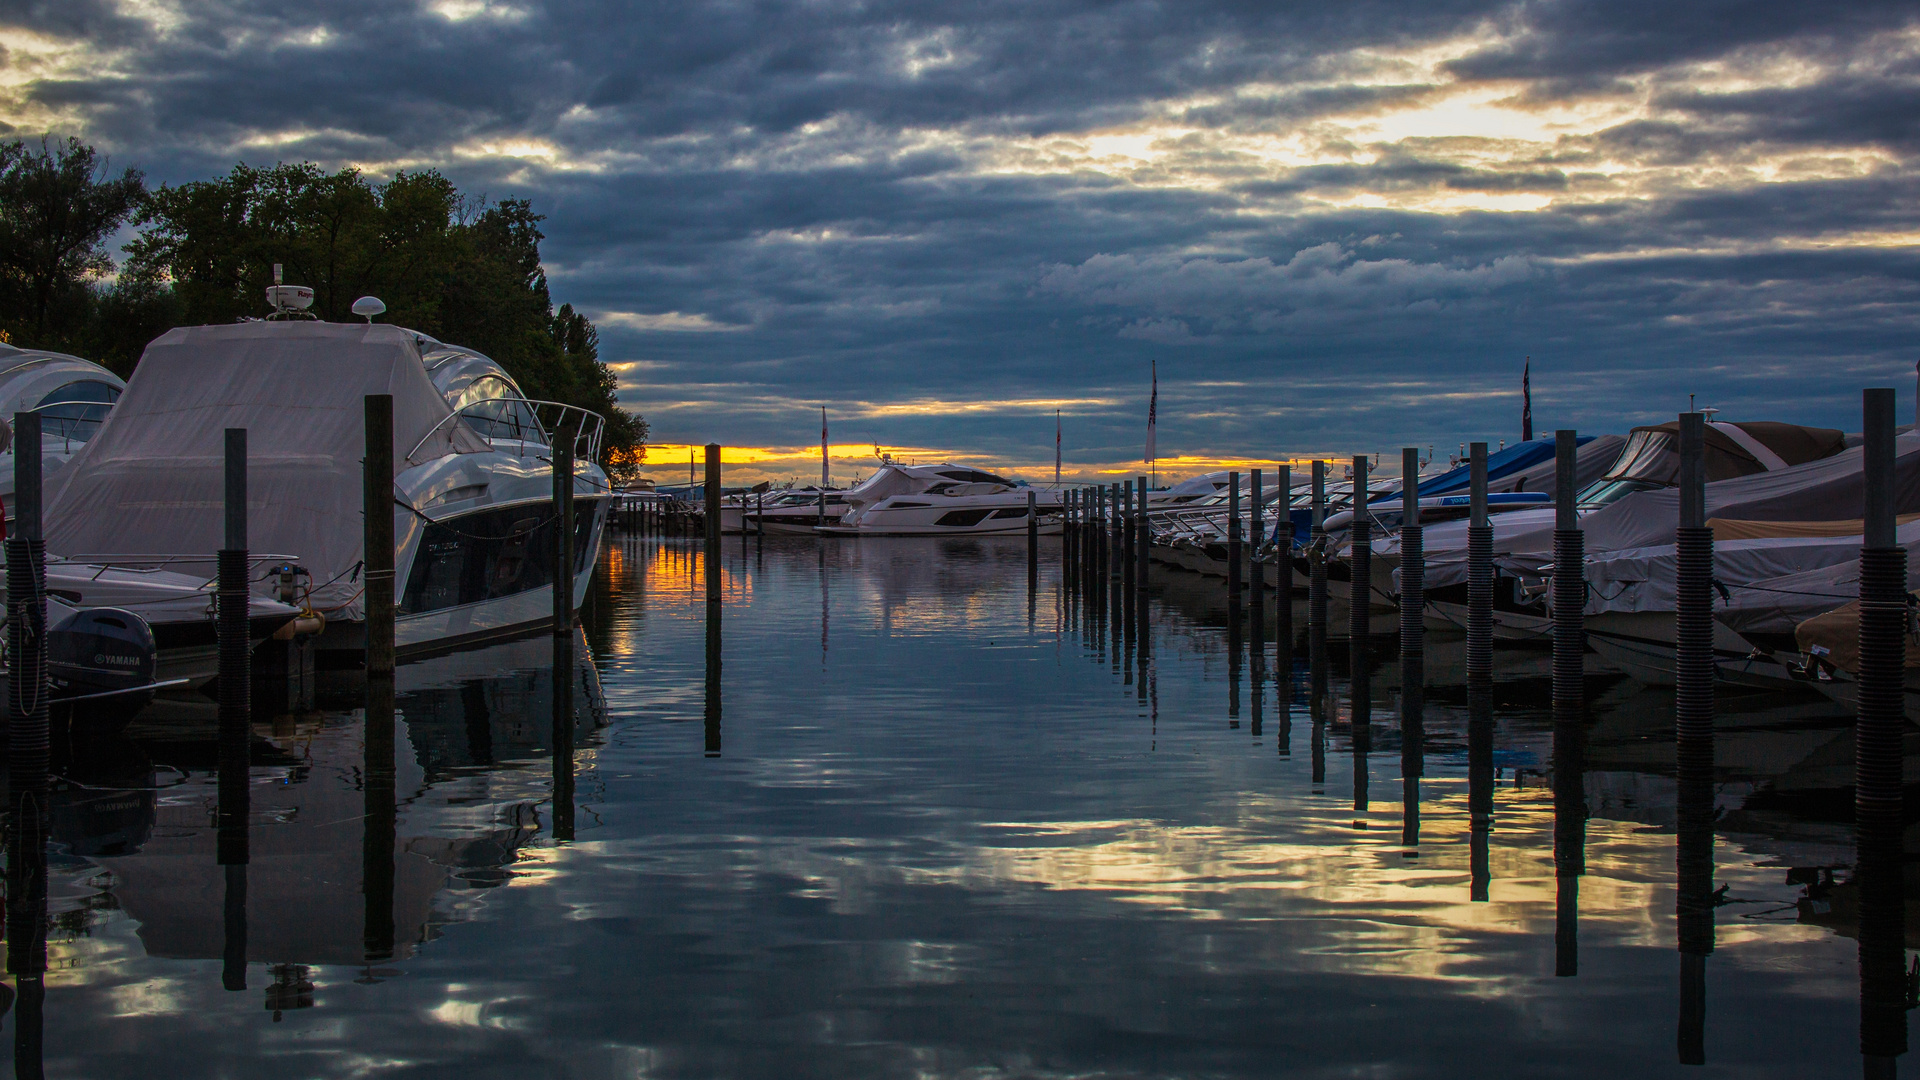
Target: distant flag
{"type": "Point", "coordinates": [1526, 401]}
{"type": "Point", "coordinates": [823, 450]}
{"type": "Point", "coordinates": [1153, 408]}
{"type": "Point", "coordinates": [1056, 448]}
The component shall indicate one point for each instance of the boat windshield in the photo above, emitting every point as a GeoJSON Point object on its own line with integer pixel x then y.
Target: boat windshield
{"type": "Point", "coordinates": [490, 406]}
{"type": "Point", "coordinates": [74, 411]}
{"type": "Point", "coordinates": [1646, 463]}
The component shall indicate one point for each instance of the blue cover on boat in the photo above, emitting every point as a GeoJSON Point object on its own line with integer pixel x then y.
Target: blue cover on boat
{"type": "Point", "coordinates": [1515, 458]}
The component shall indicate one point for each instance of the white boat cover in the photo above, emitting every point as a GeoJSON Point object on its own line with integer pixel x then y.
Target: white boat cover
{"type": "Point", "coordinates": [152, 481]}
{"type": "Point", "coordinates": [1816, 491]}
{"type": "Point", "coordinates": [1771, 584]}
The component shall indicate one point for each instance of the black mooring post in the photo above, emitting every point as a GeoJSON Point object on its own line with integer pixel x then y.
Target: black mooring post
{"type": "Point", "coordinates": [1479, 572]}
{"type": "Point", "coordinates": [1360, 558]}
{"type": "Point", "coordinates": [1317, 595]}
{"type": "Point", "coordinates": [376, 507]}
{"type": "Point", "coordinates": [28, 756]}
{"type": "Point", "coordinates": [1144, 543]}
{"type": "Point", "coordinates": [1569, 585]}
{"type": "Point", "coordinates": [28, 737]}
{"type": "Point", "coordinates": [1413, 723]}
{"type": "Point", "coordinates": [1256, 530]}
{"type": "Point", "coordinates": [712, 559]}
{"type": "Point", "coordinates": [1233, 544]}
{"type": "Point", "coordinates": [1883, 617]}
{"type": "Point", "coordinates": [1693, 739]}
{"type": "Point", "coordinates": [1413, 563]}
{"type": "Point", "coordinates": [1033, 538]}
{"type": "Point", "coordinates": [563, 554]}
{"type": "Point", "coordinates": [234, 654]}
{"type": "Point", "coordinates": [1569, 703]}
{"type": "Point", "coordinates": [1283, 576]}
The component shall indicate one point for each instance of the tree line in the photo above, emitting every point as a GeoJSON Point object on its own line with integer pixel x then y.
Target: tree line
{"type": "Point", "coordinates": [451, 266]}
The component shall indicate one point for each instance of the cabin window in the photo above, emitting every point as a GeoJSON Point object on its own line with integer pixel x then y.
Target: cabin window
{"type": "Point", "coordinates": [74, 411]}
{"type": "Point", "coordinates": [1011, 512]}
{"type": "Point", "coordinates": [490, 554]}
{"type": "Point", "coordinates": [963, 518]}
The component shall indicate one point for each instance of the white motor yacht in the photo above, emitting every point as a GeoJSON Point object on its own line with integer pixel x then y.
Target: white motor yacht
{"type": "Point", "coordinates": [942, 500]}
{"type": "Point", "coordinates": [792, 512]}
{"type": "Point", "coordinates": [474, 522]}
{"type": "Point", "coordinates": [71, 395]}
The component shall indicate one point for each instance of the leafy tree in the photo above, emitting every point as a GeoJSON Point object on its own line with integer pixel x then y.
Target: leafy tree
{"type": "Point", "coordinates": [466, 277]}
{"type": "Point", "coordinates": [58, 206]}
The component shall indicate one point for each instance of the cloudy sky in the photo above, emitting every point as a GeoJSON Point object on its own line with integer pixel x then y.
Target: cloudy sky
{"type": "Point", "coordinates": [1336, 227]}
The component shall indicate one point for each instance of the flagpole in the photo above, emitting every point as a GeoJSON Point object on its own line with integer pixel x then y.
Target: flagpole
{"type": "Point", "coordinates": [1056, 448]}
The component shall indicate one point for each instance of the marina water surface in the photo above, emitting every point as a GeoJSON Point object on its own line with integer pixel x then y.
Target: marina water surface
{"type": "Point", "coordinates": [899, 814]}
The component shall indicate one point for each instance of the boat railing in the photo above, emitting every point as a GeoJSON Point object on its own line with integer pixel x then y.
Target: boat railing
{"type": "Point", "coordinates": [154, 562]}
{"type": "Point", "coordinates": [70, 430]}
{"type": "Point", "coordinates": [525, 421]}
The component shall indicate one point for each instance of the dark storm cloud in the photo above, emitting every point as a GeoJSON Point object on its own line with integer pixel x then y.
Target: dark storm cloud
{"type": "Point", "coordinates": [768, 205]}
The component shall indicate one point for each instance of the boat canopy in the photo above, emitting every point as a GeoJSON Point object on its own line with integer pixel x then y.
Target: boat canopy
{"type": "Point", "coordinates": [152, 481]}
{"type": "Point", "coordinates": [1651, 459]}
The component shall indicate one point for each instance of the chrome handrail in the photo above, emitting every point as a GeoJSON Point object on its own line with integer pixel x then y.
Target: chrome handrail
{"type": "Point", "coordinates": [587, 435]}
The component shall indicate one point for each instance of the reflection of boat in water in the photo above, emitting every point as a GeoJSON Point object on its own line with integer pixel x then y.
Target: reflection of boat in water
{"type": "Point", "coordinates": [467, 805]}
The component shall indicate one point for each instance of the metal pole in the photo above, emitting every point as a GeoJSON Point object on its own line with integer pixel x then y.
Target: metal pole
{"type": "Point", "coordinates": [376, 505]}
{"type": "Point", "coordinates": [1479, 573]}
{"type": "Point", "coordinates": [1283, 582]}
{"type": "Point", "coordinates": [1317, 587]}
{"type": "Point", "coordinates": [1126, 536]}
{"type": "Point", "coordinates": [713, 522]}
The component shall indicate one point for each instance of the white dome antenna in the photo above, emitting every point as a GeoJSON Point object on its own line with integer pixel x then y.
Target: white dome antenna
{"type": "Point", "coordinates": [287, 299]}
{"type": "Point", "coordinates": [368, 306]}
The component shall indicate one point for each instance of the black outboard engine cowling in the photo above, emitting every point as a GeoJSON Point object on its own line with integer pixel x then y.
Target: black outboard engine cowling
{"type": "Point", "coordinates": [103, 651]}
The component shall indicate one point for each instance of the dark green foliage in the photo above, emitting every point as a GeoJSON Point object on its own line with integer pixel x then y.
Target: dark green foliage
{"type": "Point", "coordinates": [58, 206]}
{"type": "Point", "coordinates": [462, 273]}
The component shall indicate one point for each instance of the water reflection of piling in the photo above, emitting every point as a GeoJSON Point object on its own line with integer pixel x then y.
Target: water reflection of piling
{"type": "Point", "coordinates": [379, 820]}
{"type": "Point", "coordinates": [1413, 747]}
{"type": "Point", "coordinates": [713, 681]}
{"type": "Point", "coordinates": [1234, 646]}
{"type": "Point", "coordinates": [1479, 789]}
{"type": "Point", "coordinates": [1360, 700]}
{"type": "Point", "coordinates": [27, 923]}
{"type": "Point", "coordinates": [1257, 672]}
{"type": "Point", "coordinates": [1569, 841]}
{"type": "Point", "coordinates": [562, 720]}
{"type": "Point", "coordinates": [1886, 992]}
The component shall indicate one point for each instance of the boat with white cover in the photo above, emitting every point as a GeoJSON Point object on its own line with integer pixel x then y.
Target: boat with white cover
{"type": "Point", "coordinates": [474, 522]}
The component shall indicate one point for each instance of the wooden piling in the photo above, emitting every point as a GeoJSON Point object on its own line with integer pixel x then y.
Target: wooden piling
{"type": "Point", "coordinates": [376, 506]}
{"type": "Point", "coordinates": [1143, 542]}
{"type": "Point", "coordinates": [1233, 543]}
{"type": "Point", "coordinates": [1033, 541]}
{"type": "Point", "coordinates": [1256, 537]}
{"type": "Point", "coordinates": [1413, 564]}
{"type": "Point", "coordinates": [1359, 560]}
{"type": "Point", "coordinates": [1283, 584]}
{"type": "Point", "coordinates": [234, 648]}
{"type": "Point", "coordinates": [1479, 572]}
{"type": "Point", "coordinates": [1568, 593]}
{"type": "Point", "coordinates": [713, 522]}
{"type": "Point", "coordinates": [1881, 690]}
{"type": "Point", "coordinates": [563, 557]}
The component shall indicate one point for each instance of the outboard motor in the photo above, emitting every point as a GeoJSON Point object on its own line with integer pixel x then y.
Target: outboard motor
{"type": "Point", "coordinates": [102, 651]}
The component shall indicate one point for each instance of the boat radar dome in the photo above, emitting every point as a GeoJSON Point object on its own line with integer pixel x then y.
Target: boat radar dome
{"type": "Point", "coordinates": [287, 299]}
{"type": "Point", "coordinates": [368, 306]}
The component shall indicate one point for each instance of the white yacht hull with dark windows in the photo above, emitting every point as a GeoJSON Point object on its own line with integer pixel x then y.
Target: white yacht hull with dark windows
{"type": "Point", "coordinates": [943, 500]}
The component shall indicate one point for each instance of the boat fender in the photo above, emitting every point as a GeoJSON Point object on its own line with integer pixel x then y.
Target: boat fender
{"type": "Point", "coordinates": [306, 624]}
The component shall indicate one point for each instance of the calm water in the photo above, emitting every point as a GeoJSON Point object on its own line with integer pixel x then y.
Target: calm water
{"type": "Point", "coordinates": [913, 820]}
